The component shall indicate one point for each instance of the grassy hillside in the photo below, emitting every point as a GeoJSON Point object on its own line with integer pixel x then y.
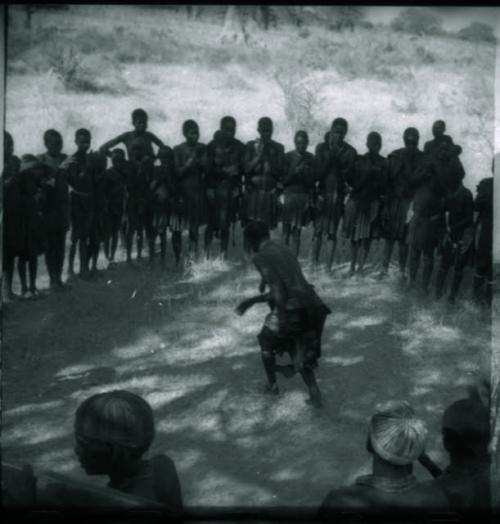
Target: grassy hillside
{"type": "Point", "coordinates": [90, 66]}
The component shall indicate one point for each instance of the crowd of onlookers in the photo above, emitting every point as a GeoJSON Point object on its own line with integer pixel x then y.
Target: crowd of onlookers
{"type": "Point", "coordinates": [413, 198]}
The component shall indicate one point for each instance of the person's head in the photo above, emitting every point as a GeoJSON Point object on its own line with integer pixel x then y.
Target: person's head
{"type": "Point", "coordinates": [8, 144]}
{"type": "Point", "coordinates": [227, 128]}
{"type": "Point", "coordinates": [138, 149]}
{"type": "Point", "coordinates": [301, 141]}
{"type": "Point", "coordinates": [374, 142]}
{"type": "Point", "coordinates": [326, 137]}
{"type": "Point", "coordinates": [118, 158]}
{"type": "Point", "coordinates": [255, 233]}
{"type": "Point", "coordinates": [445, 151]}
{"type": "Point", "coordinates": [82, 140]}
{"type": "Point", "coordinates": [411, 136]}
{"type": "Point", "coordinates": [163, 155]}
{"type": "Point", "coordinates": [339, 129]}
{"type": "Point", "coordinates": [395, 435]}
{"type": "Point", "coordinates": [438, 128]}
{"type": "Point", "coordinates": [265, 128]}
{"type": "Point", "coordinates": [140, 120]}
{"type": "Point", "coordinates": [53, 142]}
{"type": "Point", "coordinates": [191, 132]}
{"type": "Point", "coordinates": [466, 430]}
{"type": "Point", "coordinates": [112, 430]}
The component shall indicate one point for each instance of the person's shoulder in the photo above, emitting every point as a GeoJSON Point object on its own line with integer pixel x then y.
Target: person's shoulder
{"type": "Point", "coordinates": [179, 147]}
{"type": "Point", "coordinates": [485, 184]}
{"type": "Point", "coordinates": [279, 146]}
{"type": "Point", "coordinates": [345, 497]}
{"type": "Point", "coordinates": [161, 463]}
{"type": "Point", "coordinates": [290, 154]}
{"type": "Point", "coordinates": [351, 149]}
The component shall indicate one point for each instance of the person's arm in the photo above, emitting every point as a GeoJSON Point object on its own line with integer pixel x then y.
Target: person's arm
{"type": "Point", "coordinates": [430, 465]}
{"type": "Point", "coordinates": [120, 139]}
{"type": "Point", "coordinates": [181, 167]}
{"type": "Point", "coordinates": [156, 141]}
{"type": "Point", "coordinates": [253, 156]}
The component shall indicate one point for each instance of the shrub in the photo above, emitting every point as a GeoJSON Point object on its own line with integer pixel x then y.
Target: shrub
{"type": "Point", "coordinates": [417, 21]}
{"type": "Point", "coordinates": [477, 32]}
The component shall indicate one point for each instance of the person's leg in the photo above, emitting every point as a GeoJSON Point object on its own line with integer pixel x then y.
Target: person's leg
{"type": "Point", "coordinates": [33, 270]}
{"type": "Point", "coordinates": [268, 357]}
{"type": "Point", "coordinates": [414, 255]}
{"type": "Point", "coordinates": [208, 238]}
{"type": "Point", "coordinates": [177, 245]}
{"type": "Point", "coordinates": [387, 255]}
{"type": "Point", "coordinates": [140, 241]}
{"type": "Point", "coordinates": [84, 257]}
{"type": "Point", "coordinates": [317, 242]}
{"type": "Point", "coordinates": [71, 258]}
{"type": "Point", "coordinates": [309, 379]}
{"type": "Point", "coordinates": [163, 247]}
{"type": "Point", "coordinates": [131, 229]}
{"type": "Point", "coordinates": [444, 267]}
{"type": "Point", "coordinates": [366, 243]}
{"type": "Point", "coordinates": [354, 256]}
{"type": "Point", "coordinates": [296, 241]}
{"type": "Point", "coordinates": [50, 254]}
{"type": "Point", "coordinates": [8, 273]}
{"type": "Point", "coordinates": [193, 242]}
{"type": "Point", "coordinates": [21, 269]}
{"type": "Point", "coordinates": [403, 257]}
{"type": "Point", "coordinates": [59, 256]}
{"type": "Point", "coordinates": [151, 236]}
{"type": "Point", "coordinates": [332, 239]}
{"type": "Point", "coordinates": [428, 256]}
{"type": "Point", "coordinates": [224, 240]}
{"type": "Point", "coordinates": [287, 230]}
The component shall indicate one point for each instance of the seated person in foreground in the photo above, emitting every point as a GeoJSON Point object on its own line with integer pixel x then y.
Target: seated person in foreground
{"type": "Point", "coordinates": [396, 438]}
{"type": "Point", "coordinates": [113, 430]}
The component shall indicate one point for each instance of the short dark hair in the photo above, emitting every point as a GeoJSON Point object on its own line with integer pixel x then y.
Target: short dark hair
{"type": "Point", "coordinates": [340, 122]}
{"type": "Point", "coordinates": [190, 125]}
{"type": "Point", "coordinates": [255, 232]}
{"type": "Point", "coordinates": [227, 120]}
{"type": "Point", "coordinates": [118, 152]}
{"type": "Point", "coordinates": [265, 123]}
{"type": "Point", "coordinates": [139, 114]}
{"type": "Point", "coordinates": [82, 132]}
{"type": "Point", "coordinates": [303, 134]}
{"type": "Point", "coordinates": [374, 135]}
{"type": "Point", "coordinates": [52, 133]}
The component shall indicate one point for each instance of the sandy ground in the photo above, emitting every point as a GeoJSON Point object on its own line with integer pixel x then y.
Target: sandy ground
{"type": "Point", "coordinates": [174, 338]}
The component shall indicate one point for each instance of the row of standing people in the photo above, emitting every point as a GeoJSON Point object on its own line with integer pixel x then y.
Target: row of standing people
{"type": "Point", "coordinates": [413, 198]}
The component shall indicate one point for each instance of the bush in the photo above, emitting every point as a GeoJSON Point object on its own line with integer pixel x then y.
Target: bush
{"type": "Point", "coordinates": [417, 21]}
{"type": "Point", "coordinates": [477, 32]}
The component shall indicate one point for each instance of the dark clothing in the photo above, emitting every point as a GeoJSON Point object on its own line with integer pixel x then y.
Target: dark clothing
{"type": "Point", "coordinates": [367, 184]}
{"type": "Point", "coordinates": [298, 184]}
{"type": "Point", "coordinates": [332, 171]}
{"type": "Point", "coordinates": [115, 190]}
{"type": "Point", "coordinates": [13, 225]}
{"type": "Point", "coordinates": [99, 230]}
{"type": "Point", "coordinates": [450, 173]}
{"type": "Point", "coordinates": [407, 167]}
{"type": "Point", "coordinates": [432, 146]}
{"type": "Point", "coordinates": [56, 209]}
{"type": "Point", "coordinates": [225, 185]}
{"type": "Point", "coordinates": [139, 176]}
{"type": "Point", "coordinates": [296, 322]}
{"type": "Point", "coordinates": [156, 480]}
{"type": "Point", "coordinates": [375, 494]}
{"type": "Point", "coordinates": [128, 139]}
{"type": "Point", "coordinates": [192, 183]}
{"type": "Point", "coordinates": [160, 194]}
{"type": "Point", "coordinates": [80, 174]}
{"type": "Point", "coordinates": [483, 205]}
{"type": "Point", "coordinates": [263, 182]}
{"type": "Point", "coordinates": [466, 489]}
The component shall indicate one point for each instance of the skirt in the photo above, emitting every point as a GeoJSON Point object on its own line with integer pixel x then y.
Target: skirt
{"type": "Point", "coordinates": [329, 212]}
{"type": "Point", "coordinates": [261, 206]}
{"type": "Point", "coordinates": [394, 225]}
{"type": "Point", "coordinates": [424, 233]}
{"type": "Point", "coordinates": [294, 212]}
{"type": "Point", "coordinates": [195, 210]}
{"type": "Point", "coordinates": [360, 221]}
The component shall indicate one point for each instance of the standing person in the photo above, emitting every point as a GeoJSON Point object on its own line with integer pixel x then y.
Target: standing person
{"type": "Point", "coordinates": [113, 431]}
{"type": "Point", "coordinates": [396, 439]}
{"type": "Point", "coordinates": [366, 184]}
{"type": "Point", "coordinates": [335, 160]}
{"type": "Point", "coordinates": [298, 185]}
{"type": "Point", "coordinates": [140, 124]}
{"type": "Point", "coordinates": [264, 165]}
{"type": "Point", "coordinates": [297, 317]}
{"type": "Point", "coordinates": [34, 179]}
{"type": "Point", "coordinates": [98, 227]}
{"type": "Point", "coordinates": [449, 169]}
{"type": "Point", "coordinates": [458, 241]}
{"type": "Point", "coordinates": [225, 155]}
{"type": "Point", "coordinates": [160, 192]}
{"type": "Point", "coordinates": [405, 167]}
{"type": "Point", "coordinates": [190, 166]}
{"type": "Point", "coordinates": [13, 226]}
{"type": "Point", "coordinates": [115, 188]}
{"type": "Point", "coordinates": [483, 260]}
{"type": "Point", "coordinates": [79, 169]}
{"type": "Point", "coordinates": [139, 177]}
{"type": "Point", "coordinates": [56, 212]}
{"type": "Point", "coordinates": [438, 131]}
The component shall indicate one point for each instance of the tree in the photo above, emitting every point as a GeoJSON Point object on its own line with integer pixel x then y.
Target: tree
{"type": "Point", "coordinates": [233, 30]}
{"type": "Point", "coordinates": [418, 21]}
{"type": "Point", "coordinates": [349, 16]}
{"type": "Point", "coordinates": [478, 32]}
